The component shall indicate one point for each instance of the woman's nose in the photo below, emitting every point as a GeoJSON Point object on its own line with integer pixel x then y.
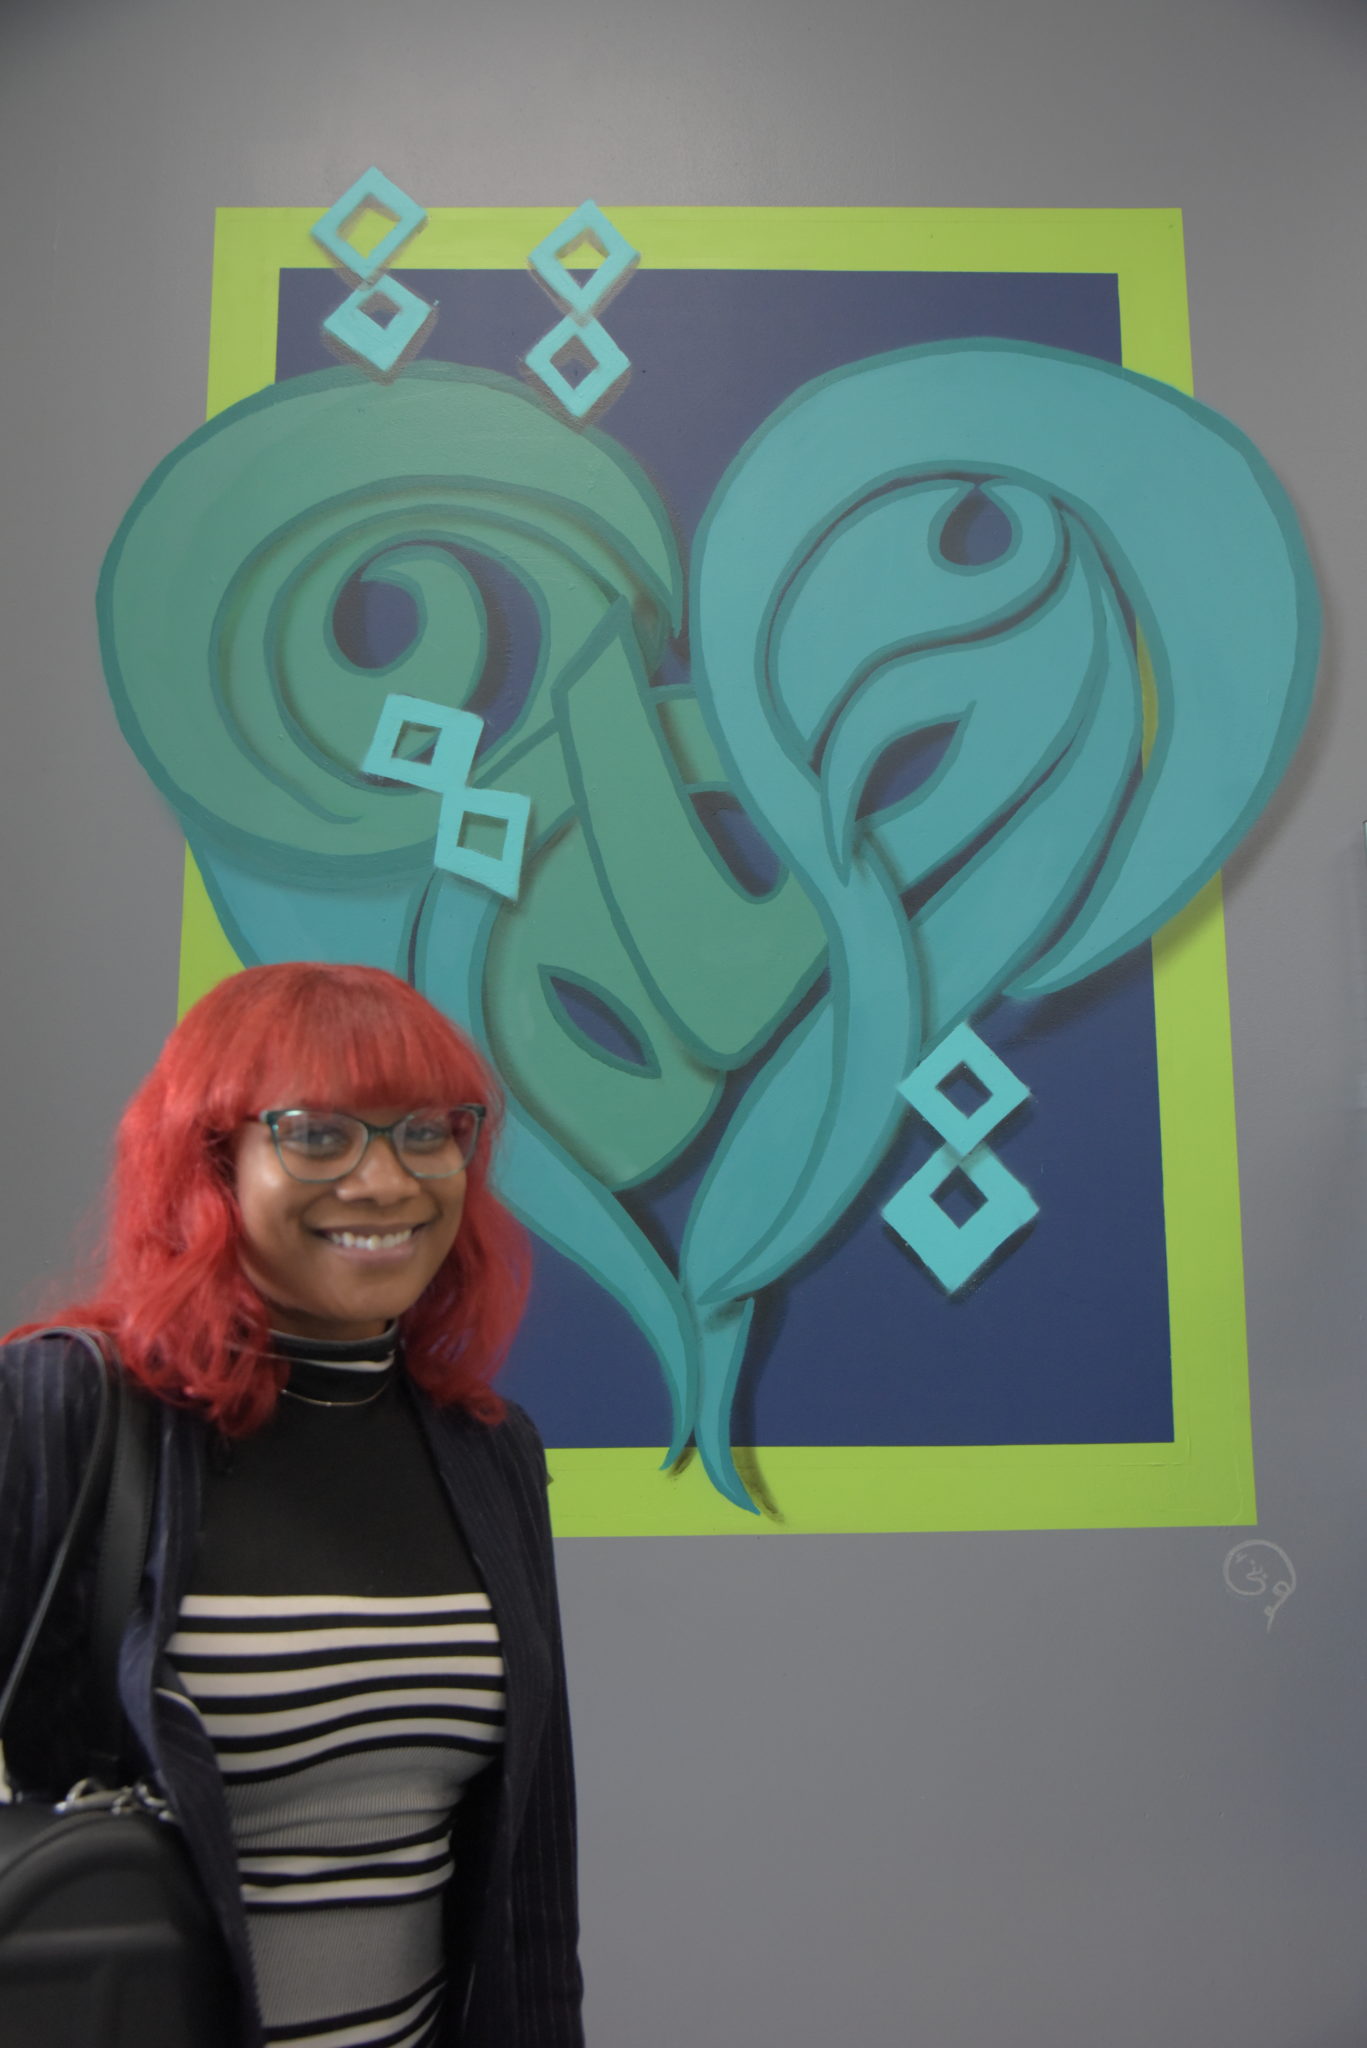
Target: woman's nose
{"type": "Point", "coordinates": [381, 1174]}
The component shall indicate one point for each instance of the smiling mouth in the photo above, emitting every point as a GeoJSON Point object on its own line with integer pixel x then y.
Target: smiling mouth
{"type": "Point", "coordinates": [372, 1240]}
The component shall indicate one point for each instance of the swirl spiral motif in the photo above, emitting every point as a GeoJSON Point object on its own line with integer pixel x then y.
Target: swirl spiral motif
{"type": "Point", "coordinates": [830, 621]}
{"type": "Point", "coordinates": [217, 609]}
{"type": "Point", "coordinates": [836, 615]}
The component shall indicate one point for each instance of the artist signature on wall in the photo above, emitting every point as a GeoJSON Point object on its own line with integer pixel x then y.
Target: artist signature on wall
{"type": "Point", "coordinates": [1256, 1568]}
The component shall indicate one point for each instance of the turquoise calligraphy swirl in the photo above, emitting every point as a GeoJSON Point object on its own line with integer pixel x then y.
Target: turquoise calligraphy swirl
{"type": "Point", "coordinates": [1114, 678]}
{"type": "Point", "coordinates": [217, 606]}
{"type": "Point", "coordinates": [832, 619]}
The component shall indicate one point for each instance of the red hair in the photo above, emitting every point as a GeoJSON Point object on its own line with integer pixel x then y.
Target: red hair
{"type": "Point", "coordinates": [173, 1297]}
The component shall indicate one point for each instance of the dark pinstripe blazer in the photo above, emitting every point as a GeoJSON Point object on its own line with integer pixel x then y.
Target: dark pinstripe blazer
{"type": "Point", "coordinates": [512, 1917]}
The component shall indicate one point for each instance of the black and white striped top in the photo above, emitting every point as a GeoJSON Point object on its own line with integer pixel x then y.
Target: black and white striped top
{"type": "Point", "coordinates": [347, 1723]}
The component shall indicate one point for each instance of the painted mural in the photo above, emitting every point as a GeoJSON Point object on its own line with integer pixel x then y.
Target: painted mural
{"type": "Point", "coordinates": [775, 708]}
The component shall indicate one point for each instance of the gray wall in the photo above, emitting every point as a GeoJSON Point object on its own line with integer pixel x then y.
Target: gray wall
{"type": "Point", "coordinates": [945, 1791]}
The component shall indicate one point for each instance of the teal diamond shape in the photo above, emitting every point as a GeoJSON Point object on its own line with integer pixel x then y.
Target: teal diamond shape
{"type": "Point", "coordinates": [501, 872]}
{"type": "Point", "coordinates": [610, 365]}
{"type": "Point", "coordinates": [953, 1251]}
{"type": "Point", "coordinates": [962, 1047]}
{"type": "Point", "coordinates": [374, 188]}
{"type": "Point", "coordinates": [380, 346]}
{"type": "Point", "coordinates": [619, 258]}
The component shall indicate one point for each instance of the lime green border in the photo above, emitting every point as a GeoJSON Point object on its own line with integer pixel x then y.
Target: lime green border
{"type": "Point", "coordinates": [1206, 1474]}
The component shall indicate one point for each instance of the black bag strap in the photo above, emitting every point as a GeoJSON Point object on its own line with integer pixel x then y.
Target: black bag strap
{"type": "Point", "coordinates": [119, 1473]}
{"type": "Point", "coordinates": [123, 1553]}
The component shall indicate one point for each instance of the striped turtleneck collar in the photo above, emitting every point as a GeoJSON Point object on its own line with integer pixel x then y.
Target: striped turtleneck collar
{"type": "Point", "coordinates": [338, 1374]}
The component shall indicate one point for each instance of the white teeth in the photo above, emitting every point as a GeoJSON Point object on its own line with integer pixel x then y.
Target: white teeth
{"type": "Point", "coordinates": [352, 1241]}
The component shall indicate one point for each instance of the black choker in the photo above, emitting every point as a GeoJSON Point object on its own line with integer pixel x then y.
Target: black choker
{"type": "Point", "coordinates": [332, 1374]}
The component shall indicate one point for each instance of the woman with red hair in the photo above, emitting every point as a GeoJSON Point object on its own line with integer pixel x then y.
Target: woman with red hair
{"type": "Point", "coordinates": [345, 1670]}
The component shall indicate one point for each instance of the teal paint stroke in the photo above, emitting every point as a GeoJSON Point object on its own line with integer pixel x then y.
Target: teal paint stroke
{"type": "Point", "coordinates": [215, 609]}
{"type": "Point", "coordinates": [216, 598]}
{"type": "Point", "coordinates": [541, 1181]}
{"type": "Point", "coordinates": [829, 625]}
{"type": "Point", "coordinates": [721, 965]}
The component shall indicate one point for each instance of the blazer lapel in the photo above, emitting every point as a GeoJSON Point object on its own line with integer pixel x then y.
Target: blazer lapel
{"type": "Point", "coordinates": [166, 1720]}
{"type": "Point", "coordinates": [482, 1502]}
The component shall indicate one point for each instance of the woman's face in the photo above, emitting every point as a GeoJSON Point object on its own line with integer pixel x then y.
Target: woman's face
{"type": "Point", "coordinates": [341, 1259]}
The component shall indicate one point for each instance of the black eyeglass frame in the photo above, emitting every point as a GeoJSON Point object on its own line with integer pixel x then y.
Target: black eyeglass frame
{"type": "Point", "coordinates": [272, 1119]}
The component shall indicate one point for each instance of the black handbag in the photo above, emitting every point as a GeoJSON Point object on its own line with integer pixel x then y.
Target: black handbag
{"type": "Point", "coordinates": [106, 1940]}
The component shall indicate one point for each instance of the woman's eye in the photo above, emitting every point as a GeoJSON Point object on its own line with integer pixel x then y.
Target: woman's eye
{"type": "Point", "coordinates": [429, 1134]}
{"type": "Point", "coordinates": [316, 1139]}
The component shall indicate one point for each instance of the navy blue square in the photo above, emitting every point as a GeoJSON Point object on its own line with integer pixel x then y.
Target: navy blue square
{"type": "Point", "coordinates": [1065, 1338]}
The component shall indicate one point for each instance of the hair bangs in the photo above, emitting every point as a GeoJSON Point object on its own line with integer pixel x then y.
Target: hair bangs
{"type": "Point", "coordinates": [338, 1037]}
{"type": "Point", "coordinates": [341, 1056]}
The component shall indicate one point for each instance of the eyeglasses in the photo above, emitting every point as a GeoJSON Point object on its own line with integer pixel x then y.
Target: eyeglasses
{"type": "Point", "coordinates": [328, 1144]}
